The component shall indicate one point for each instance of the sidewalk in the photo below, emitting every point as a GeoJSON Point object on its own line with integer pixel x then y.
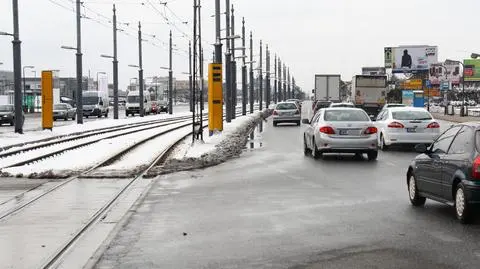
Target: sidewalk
{"type": "Point", "coordinates": [454, 118]}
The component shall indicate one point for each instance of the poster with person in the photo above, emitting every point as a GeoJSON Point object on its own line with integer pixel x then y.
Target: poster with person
{"type": "Point", "coordinates": [410, 59]}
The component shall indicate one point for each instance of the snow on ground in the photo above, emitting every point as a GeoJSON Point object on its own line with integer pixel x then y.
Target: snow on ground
{"type": "Point", "coordinates": [71, 162]}
{"type": "Point", "coordinates": [10, 160]}
{"type": "Point", "coordinates": [8, 139]}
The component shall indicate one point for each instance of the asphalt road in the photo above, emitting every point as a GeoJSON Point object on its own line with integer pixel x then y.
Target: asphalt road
{"type": "Point", "coordinates": [275, 208]}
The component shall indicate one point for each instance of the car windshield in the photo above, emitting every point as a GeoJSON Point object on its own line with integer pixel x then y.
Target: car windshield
{"type": "Point", "coordinates": [411, 115]}
{"type": "Point", "coordinates": [286, 106]}
{"type": "Point", "coordinates": [322, 105]}
{"type": "Point", "coordinates": [6, 108]}
{"type": "Point", "coordinates": [60, 106]}
{"type": "Point", "coordinates": [345, 115]}
{"type": "Point", "coordinates": [133, 99]}
{"type": "Point", "coordinates": [90, 100]}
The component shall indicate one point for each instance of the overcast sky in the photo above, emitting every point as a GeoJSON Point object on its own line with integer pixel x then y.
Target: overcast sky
{"type": "Point", "coordinates": [311, 36]}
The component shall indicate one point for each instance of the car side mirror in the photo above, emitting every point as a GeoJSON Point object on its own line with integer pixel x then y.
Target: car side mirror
{"type": "Point", "coordinates": [421, 148]}
{"type": "Point", "coordinates": [305, 121]}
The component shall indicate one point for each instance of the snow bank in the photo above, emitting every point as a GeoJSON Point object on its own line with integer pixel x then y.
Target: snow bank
{"type": "Point", "coordinates": [216, 149]}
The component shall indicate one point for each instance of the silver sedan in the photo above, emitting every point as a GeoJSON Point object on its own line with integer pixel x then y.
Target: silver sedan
{"type": "Point", "coordinates": [286, 112]}
{"type": "Point", "coordinates": [340, 130]}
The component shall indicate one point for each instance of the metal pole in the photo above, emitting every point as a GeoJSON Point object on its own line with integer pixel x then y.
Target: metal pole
{"type": "Point", "coordinates": [252, 82]}
{"type": "Point", "coordinates": [218, 42]}
{"type": "Point", "coordinates": [294, 88]}
{"type": "Point", "coordinates": [280, 91]}
{"type": "Point", "coordinates": [267, 95]}
{"type": "Point", "coordinates": [194, 65]}
{"type": "Point", "coordinates": [79, 66]}
{"type": "Point", "coordinates": [115, 66]}
{"type": "Point", "coordinates": [228, 71]}
{"type": "Point", "coordinates": [260, 77]}
{"type": "Point", "coordinates": [170, 79]}
{"type": "Point", "coordinates": [190, 75]}
{"type": "Point", "coordinates": [244, 72]}
{"type": "Point", "coordinates": [275, 93]}
{"type": "Point", "coordinates": [285, 94]}
{"type": "Point", "coordinates": [234, 68]}
{"type": "Point", "coordinates": [140, 71]}
{"type": "Point", "coordinates": [201, 67]}
{"type": "Point", "coordinates": [288, 84]}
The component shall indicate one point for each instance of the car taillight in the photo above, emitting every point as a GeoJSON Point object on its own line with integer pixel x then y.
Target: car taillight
{"type": "Point", "coordinates": [395, 124]}
{"type": "Point", "coordinates": [476, 168]}
{"type": "Point", "coordinates": [275, 113]}
{"type": "Point", "coordinates": [297, 112]}
{"type": "Point", "coordinates": [327, 130]}
{"type": "Point", "coordinates": [433, 125]}
{"type": "Point", "coordinates": [371, 130]}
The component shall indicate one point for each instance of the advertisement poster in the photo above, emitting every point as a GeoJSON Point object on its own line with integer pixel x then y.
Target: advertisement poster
{"type": "Point", "coordinates": [472, 69]}
{"type": "Point", "coordinates": [410, 59]}
{"type": "Point", "coordinates": [445, 73]}
{"type": "Point", "coordinates": [407, 97]}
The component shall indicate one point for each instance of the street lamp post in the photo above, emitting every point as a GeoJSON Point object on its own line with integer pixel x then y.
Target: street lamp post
{"type": "Point", "coordinates": [25, 109]}
{"type": "Point", "coordinates": [17, 66]}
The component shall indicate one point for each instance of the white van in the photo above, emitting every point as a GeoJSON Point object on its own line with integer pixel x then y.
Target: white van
{"type": "Point", "coordinates": [95, 103]}
{"type": "Point", "coordinates": [132, 106]}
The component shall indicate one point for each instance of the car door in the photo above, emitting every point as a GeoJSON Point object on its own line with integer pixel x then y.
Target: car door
{"type": "Point", "coordinates": [457, 159]}
{"type": "Point", "coordinates": [309, 133]}
{"type": "Point", "coordinates": [429, 167]}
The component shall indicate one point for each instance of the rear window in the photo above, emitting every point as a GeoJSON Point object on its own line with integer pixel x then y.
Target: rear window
{"type": "Point", "coordinates": [397, 105]}
{"type": "Point", "coordinates": [286, 106]}
{"type": "Point", "coordinates": [345, 115]}
{"type": "Point", "coordinates": [322, 104]}
{"type": "Point", "coordinates": [411, 115]}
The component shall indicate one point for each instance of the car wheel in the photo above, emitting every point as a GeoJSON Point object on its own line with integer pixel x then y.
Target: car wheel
{"type": "Point", "coordinates": [86, 117]}
{"type": "Point", "coordinates": [12, 123]}
{"type": "Point", "coordinates": [99, 115]}
{"type": "Point", "coordinates": [74, 117]}
{"type": "Point", "coordinates": [415, 198]}
{"type": "Point", "coordinates": [54, 119]}
{"type": "Point", "coordinates": [316, 154]}
{"type": "Point", "coordinates": [274, 124]}
{"type": "Point", "coordinates": [383, 146]}
{"type": "Point", "coordinates": [372, 156]}
{"type": "Point", "coordinates": [306, 150]}
{"type": "Point", "coordinates": [299, 123]}
{"type": "Point", "coordinates": [462, 205]}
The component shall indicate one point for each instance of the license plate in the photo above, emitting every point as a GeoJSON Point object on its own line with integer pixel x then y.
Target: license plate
{"type": "Point", "coordinates": [411, 130]}
{"type": "Point", "coordinates": [343, 132]}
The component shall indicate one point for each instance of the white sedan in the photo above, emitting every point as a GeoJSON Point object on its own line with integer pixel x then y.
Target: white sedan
{"type": "Point", "coordinates": [408, 125]}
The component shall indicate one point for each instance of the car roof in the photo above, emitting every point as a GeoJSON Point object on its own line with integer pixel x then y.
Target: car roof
{"type": "Point", "coordinates": [407, 108]}
{"type": "Point", "coordinates": [343, 108]}
{"type": "Point", "coordinates": [286, 102]}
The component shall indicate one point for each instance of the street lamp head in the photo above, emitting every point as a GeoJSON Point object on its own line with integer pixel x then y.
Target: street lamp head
{"type": "Point", "coordinates": [165, 68]}
{"type": "Point", "coordinates": [68, 48]}
{"type": "Point", "coordinates": [475, 55]}
{"type": "Point", "coordinates": [29, 66]}
{"type": "Point", "coordinates": [106, 56]}
{"type": "Point", "coordinates": [5, 33]}
{"type": "Point", "coordinates": [133, 65]}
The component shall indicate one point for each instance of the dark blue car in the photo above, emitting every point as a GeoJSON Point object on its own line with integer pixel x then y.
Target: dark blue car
{"type": "Point", "coordinates": [449, 171]}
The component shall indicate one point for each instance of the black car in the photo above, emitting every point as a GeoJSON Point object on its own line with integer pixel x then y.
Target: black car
{"type": "Point", "coordinates": [449, 171]}
{"type": "Point", "coordinates": [162, 106]}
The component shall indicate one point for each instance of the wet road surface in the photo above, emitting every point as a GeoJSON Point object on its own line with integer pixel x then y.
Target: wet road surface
{"type": "Point", "coordinates": [276, 208]}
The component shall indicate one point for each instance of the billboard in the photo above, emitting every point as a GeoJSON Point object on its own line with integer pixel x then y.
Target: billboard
{"type": "Point", "coordinates": [445, 73]}
{"type": "Point", "coordinates": [412, 84]}
{"type": "Point", "coordinates": [472, 69]}
{"type": "Point", "coordinates": [410, 59]}
{"type": "Point", "coordinates": [373, 71]}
